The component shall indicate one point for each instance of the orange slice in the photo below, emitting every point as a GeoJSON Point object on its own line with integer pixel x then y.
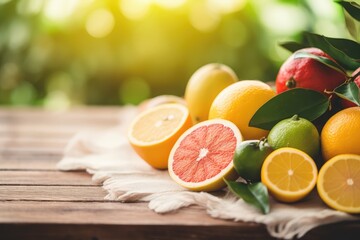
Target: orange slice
{"type": "Point", "coordinates": [154, 132]}
{"type": "Point", "coordinates": [289, 174]}
{"type": "Point", "coordinates": [203, 155]}
{"type": "Point", "coordinates": [339, 183]}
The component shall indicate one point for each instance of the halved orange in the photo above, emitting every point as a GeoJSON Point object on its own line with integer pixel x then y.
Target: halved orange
{"type": "Point", "coordinates": [289, 174]}
{"type": "Point", "coordinates": [153, 132]}
{"type": "Point", "coordinates": [339, 183]}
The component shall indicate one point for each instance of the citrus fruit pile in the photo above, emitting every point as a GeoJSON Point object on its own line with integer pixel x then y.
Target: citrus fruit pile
{"type": "Point", "coordinates": [205, 139]}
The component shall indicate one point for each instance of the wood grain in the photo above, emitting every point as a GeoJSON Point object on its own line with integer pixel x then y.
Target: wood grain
{"type": "Point", "coordinates": [39, 202]}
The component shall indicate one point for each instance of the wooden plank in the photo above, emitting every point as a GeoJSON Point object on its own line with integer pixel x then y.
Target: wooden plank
{"type": "Point", "coordinates": [31, 141]}
{"type": "Point", "coordinates": [29, 160]}
{"type": "Point", "coordinates": [113, 220]}
{"type": "Point", "coordinates": [102, 213]}
{"type": "Point", "coordinates": [135, 232]}
{"type": "Point", "coordinates": [54, 178]}
{"type": "Point", "coordinates": [51, 193]}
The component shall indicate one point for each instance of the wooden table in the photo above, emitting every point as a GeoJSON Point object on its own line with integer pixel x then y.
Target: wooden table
{"type": "Point", "coordinates": [39, 202]}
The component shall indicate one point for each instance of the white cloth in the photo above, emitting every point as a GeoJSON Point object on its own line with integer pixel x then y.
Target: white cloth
{"type": "Point", "coordinates": [108, 156]}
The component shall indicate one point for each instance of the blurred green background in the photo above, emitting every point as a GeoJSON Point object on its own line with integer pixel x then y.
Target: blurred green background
{"type": "Point", "coordinates": [61, 53]}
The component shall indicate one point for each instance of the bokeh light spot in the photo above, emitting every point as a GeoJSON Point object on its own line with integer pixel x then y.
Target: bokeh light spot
{"type": "Point", "coordinates": [134, 9]}
{"type": "Point", "coordinates": [134, 90]}
{"type": "Point", "coordinates": [203, 19]}
{"type": "Point", "coordinates": [100, 23]}
{"type": "Point", "coordinates": [170, 4]}
{"type": "Point", "coordinates": [59, 10]}
{"type": "Point", "coordinates": [226, 6]}
{"type": "Point", "coordinates": [57, 100]}
{"type": "Point", "coordinates": [284, 19]}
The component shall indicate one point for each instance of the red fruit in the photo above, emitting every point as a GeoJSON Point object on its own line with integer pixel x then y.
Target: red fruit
{"type": "Point", "coordinates": [345, 103]}
{"type": "Point", "coordinates": [308, 73]}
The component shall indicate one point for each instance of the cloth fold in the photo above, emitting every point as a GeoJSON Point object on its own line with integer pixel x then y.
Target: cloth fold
{"type": "Point", "coordinates": [107, 155]}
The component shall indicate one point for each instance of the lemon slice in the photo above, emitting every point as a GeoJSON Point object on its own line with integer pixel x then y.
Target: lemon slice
{"type": "Point", "coordinates": [289, 174]}
{"type": "Point", "coordinates": [339, 183]}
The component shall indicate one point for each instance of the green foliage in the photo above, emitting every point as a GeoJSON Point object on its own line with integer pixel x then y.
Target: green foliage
{"type": "Point", "coordinates": [255, 194]}
{"type": "Point", "coordinates": [306, 103]}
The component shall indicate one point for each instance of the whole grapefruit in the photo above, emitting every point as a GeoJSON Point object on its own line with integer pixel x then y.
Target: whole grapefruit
{"type": "Point", "coordinates": [308, 73]}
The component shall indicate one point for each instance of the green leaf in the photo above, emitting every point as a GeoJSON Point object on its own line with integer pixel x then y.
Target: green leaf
{"type": "Point", "coordinates": [346, 52]}
{"type": "Point", "coordinates": [292, 46]}
{"type": "Point", "coordinates": [352, 8]}
{"type": "Point", "coordinates": [323, 60]}
{"type": "Point", "coordinates": [255, 194]}
{"type": "Point", "coordinates": [306, 103]}
{"type": "Point", "coordinates": [348, 91]}
{"type": "Point", "coordinates": [352, 26]}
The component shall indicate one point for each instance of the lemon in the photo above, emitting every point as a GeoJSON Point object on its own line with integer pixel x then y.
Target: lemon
{"type": "Point", "coordinates": [238, 103]}
{"type": "Point", "coordinates": [204, 85]}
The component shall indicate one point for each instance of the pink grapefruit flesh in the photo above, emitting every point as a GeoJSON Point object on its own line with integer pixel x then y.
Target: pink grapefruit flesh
{"type": "Point", "coordinates": [203, 155]}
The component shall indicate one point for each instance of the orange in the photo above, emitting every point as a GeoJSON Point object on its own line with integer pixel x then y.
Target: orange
{"type": "Point", "coordinates": [341, 133]}
{"type": "Point", "coordinates": [203, 155]}
{"type": "Point", "coordinates": [338, 183]}
{"type": "Point", "coordinates": [238, 103]}
{"type": "Point", "coordinates": [289, 174]}
{"type": "Point", "coordinates": [153, 132]}
{"type": "Point", "coordinates": [308, 73]}
{"type": "Point", "coordinates": [204, 85]}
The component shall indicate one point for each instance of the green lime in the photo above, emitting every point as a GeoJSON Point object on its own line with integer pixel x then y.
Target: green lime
{"type": "Point", "coordinates": [295, 132]}
{"type": "Point", "coordinates": [249, 157]}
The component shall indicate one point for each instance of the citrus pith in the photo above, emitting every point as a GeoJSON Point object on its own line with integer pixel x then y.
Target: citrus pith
{"type": "Point", "coordinates": [339, 183]}
{"type": "Point", "coordinates": [203, 155]}
{"type": "Point", "coordinates": [153, 132]}
{"type": "Point", "coordinates": [289, 174]}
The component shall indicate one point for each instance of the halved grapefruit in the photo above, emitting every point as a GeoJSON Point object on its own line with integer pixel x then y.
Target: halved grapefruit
{"type": "Point", "coordinates": [203, 155]}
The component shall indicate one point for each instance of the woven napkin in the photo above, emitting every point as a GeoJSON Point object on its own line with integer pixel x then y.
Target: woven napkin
{"type": "Point", "coordinates": [107, 155]}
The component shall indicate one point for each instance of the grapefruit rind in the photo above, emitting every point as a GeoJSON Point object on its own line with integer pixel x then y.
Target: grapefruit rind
{"type": "Point", "coordinates": [321, 182]}
{"type": "Point", "coordinates": [287, 195]}
{"type": "Point", "coordinates": [156, 153]}
{"type": "Point", "coordinates": [214, 183]}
